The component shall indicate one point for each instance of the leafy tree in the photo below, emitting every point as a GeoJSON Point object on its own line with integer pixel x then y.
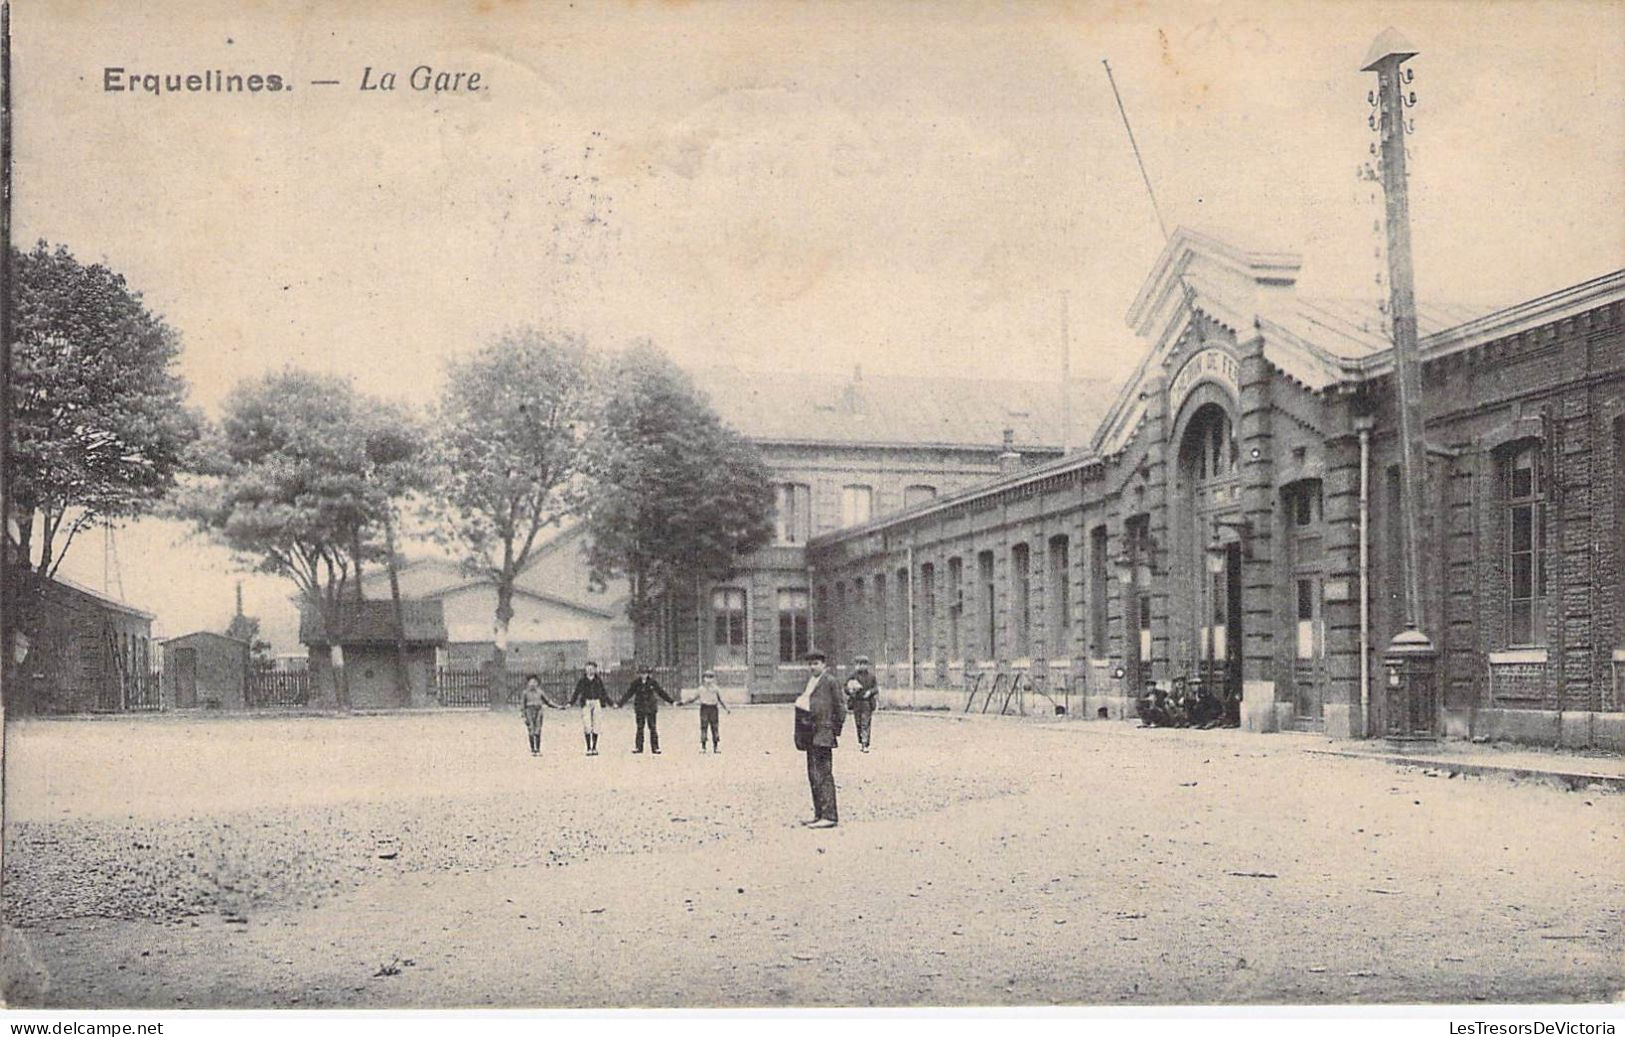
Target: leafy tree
{"type": "Point", "coordinates": [675, 496]}
{"type": "Point", "coordinates": [247, 628]}
{"type": "Point", "coordinates": [292, 488]}
{"type": "Point", "coordinates": [512, 420]}
{"type": "Point", "coordinates": [100, 425]}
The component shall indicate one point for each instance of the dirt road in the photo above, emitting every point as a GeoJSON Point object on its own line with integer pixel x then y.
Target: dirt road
{"type": "Point", "coordinates": [428, 860]}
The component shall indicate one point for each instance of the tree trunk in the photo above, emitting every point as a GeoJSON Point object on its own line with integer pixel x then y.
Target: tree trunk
{"type": "Point", "coordinates": [402, 673]}
{"type": "Point", "coordinates": [499, 653]}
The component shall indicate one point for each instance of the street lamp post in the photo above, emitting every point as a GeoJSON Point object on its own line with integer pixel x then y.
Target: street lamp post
{"type": "Point", "coordinates": [1411, 712]}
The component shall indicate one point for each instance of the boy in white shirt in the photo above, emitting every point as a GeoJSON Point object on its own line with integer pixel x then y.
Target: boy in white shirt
{"type": "Point", "coordinates": [709, 696]}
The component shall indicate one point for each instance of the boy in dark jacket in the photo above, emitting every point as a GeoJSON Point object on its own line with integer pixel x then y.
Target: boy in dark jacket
{"type": "Point", "coordinates": [861, 692]}
{"type": "Point", "coordinates": [644, 694]}
{"type": "Point", "coordinates": [590, 695]}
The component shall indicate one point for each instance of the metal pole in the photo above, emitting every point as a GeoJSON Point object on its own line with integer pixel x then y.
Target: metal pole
{"type": "Point", "coordinates": [1364, 428]}
{"type": "Point", "coordinates": [1066, 376]}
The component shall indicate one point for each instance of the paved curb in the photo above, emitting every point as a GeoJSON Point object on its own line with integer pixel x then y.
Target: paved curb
{"type": "Point", "coordinates": [1560, 771]}
{"type": "Point", "coordinates": [1573, 778]}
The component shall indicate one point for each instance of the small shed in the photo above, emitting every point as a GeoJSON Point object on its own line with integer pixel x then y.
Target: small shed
{"type": "Point", "coordinates": [368, 639]}
{"type": "Point", "coordinates": [205, 669]}
{"type": "Point", "coordinates": [80, 651]}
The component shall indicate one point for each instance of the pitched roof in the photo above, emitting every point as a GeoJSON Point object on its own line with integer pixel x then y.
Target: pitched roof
{"type": "Point", "coordinates": [795, 406]}
{"type": "Point", "coordinates": [372, 622]}
{"type": "Point", "coordinates": [104, 599]}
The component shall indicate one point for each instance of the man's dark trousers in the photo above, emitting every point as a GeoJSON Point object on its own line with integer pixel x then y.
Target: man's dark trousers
{"type": "Point", "coordinates": [821, 776]}
{"type": "Point", "coordinates": [863, 711]}
{"type": "Point", "coordinates": [654, 735]}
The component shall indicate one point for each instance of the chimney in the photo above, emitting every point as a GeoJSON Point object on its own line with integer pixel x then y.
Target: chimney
{"type": "Point", "coordinates": [1010, 458]}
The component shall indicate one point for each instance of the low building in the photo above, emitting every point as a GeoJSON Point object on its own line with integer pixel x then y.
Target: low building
{"type": "Point", "coordinates": [561, 617]}
{"type": "Point", "coordinates": [1235, 519]}
{"type": "Point", "coordinates": [206, 670]}
{"type": "Point", "coordinates": [82, 651]}
{"type": "Point", "coordinates": [372, 659]}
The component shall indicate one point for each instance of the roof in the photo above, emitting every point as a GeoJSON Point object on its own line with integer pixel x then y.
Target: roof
{"type": "Point", "coordinates": [372, 622]}
{"type": "Point", "coordinates": [237, 641]}
{"type": "Point", "coordinates": [797, 406]}
{"type": "Point", "coordinates": [106, 600]}
{"type": "Point", "coordinates": [1320, 341]}
{"type": "Point", "coordinates": [435, 578]}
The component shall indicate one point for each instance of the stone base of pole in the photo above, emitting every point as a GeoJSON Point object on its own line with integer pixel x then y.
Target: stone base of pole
{"type": "Point", "coordinates": [1410, 689]}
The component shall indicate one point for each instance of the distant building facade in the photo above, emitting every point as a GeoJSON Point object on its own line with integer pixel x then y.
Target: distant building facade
{"type": "Point", "coordinates": [561, 616]}
{"type": "Point", "coordinates": [1239, 502]}
{"type": "Point", "coordinates": [840, 456]}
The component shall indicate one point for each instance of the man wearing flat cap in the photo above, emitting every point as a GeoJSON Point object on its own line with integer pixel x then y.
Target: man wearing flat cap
{"type": "Point", "coordinates": [645, 694]}
{"type": "Point", "coordinates": [861, 691]}
{"type": "Point", "coordinates": [820, 715]}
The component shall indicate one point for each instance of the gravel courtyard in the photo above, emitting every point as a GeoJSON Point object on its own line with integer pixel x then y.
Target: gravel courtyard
{"type": "Point", "coordinates": [428, 860]}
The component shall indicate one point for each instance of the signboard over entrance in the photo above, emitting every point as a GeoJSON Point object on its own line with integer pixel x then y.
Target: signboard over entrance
{"type": "Point", "coordinates": [1205, 365]}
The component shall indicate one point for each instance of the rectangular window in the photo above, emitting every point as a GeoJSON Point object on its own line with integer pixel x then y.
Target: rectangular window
{"type": "Point", "coordinates": [1309, 636]}
{"type": "Point", "coordinates": [882, 628]}
{"type": "Point", "coordinates": [857, 504]}
{"type": "Point", "coordinates": [1145, 627]}
{"type": "Point", "coordinates": [838, 626]}
{"type": "Point", "coordinates": [904, 602]}
{"type": "Point", "coordinates": [1059, 585]}
{"type": "Point", "coordinates": [728, 617]}
{"type": "Point", "coordinates": [984, 572]}
{"type": "Point", "coordinates": [918, 494]}
{"type": "Point", "coordinates": [1526, 541]}
{"type": "Point", "coordinates": [795, 513]}
{"type": "Point", "coordinates": [956, 607]}
{"type": "Point", "coordinates": [1021, 599]}
{"type": "Point", "coordinates": [1097, 593]}
{"type": "Point", "coordinates": [793, 641]}
{"type": "Point", "coordinates": [925, 611]}
{"type": "Point", "coordinates": [859, 641]}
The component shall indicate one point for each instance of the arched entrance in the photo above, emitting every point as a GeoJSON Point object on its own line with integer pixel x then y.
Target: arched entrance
{"type": "Point", "coordinates": [1208, 549]}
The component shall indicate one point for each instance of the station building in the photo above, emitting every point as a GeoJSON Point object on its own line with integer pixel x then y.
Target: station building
{"type": "Point", "coordinates": [1235, 519]}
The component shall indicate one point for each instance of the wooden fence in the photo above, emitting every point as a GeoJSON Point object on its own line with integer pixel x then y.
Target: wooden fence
{"type": "Point", "coordinates": [278, 688]}
{"type": "Point", "coordinates": [471, 687]}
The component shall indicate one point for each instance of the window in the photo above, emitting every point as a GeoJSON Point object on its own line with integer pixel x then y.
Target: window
{"type": "Point", "coordinates": [984, 572]}
{"type": "Point", "coordinates": [1097, 593]}
{"type": "Point", "coordinates": [837, 627]}
{"type": "Point", "coordinates": [821, 610]}
{"type": "Point", "coordinates": [857, 504]}
{"type": "Point", "coordinates": [1059, 585]}
{"type": "Point", "coordinates": [918, 494]}
{"type": "Point", "coordinates": [926, 621]}
{"type": "Point", "coordinates": [905, 602]}
{"type": "Point", "coordinates": [1526, 541]}
{"type": "Point", "coordinates": [956, 606]}
{"type": "Point", "coordinates": [795, 513]}
{"type": "Point", "coordinates": [1309, 622]}
{"type": "Point", "coordinates": [728, 617]}
{"type": "Point", "coordinates": [883, 652]}
{"type": "Point", "coordinates": [860, 618]}
{"type": "Point", "coordinates": [1303, 503]}
{"type": "Point", "coordinates": [793, 640]}
{"type": "Point", "coordinates": [1144, 611]}
{"type": "Point", "coordinates": [1021, 603]}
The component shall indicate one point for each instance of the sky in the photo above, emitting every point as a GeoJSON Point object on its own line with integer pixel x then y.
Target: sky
{"type": "Point", "coordinates": [906, 186]}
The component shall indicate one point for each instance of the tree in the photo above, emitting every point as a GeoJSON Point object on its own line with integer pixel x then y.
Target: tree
{"type": "Point", "coordinates": [101, 427]}
{"type": "Point", "coordinates": [247, 628]}
{"type": "Point", "coordinates": [291, 486]}
{"type": "Point", "coordinates": [512, 421]}
{"type": "Point", "coordinates": [675, 496]}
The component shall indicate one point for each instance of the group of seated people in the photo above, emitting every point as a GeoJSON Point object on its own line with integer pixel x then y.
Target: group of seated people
{"type": "Point", "coordinates": [1191, 704]}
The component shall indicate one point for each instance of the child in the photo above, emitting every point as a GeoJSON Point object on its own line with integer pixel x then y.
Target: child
{"type": "Point", "coordinates": [531, 702]}
{"type": "Point", "coordinates": [709, 696]}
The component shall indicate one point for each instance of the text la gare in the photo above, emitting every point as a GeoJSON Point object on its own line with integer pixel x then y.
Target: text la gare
{"type": "Point", "coordinates": [424, 79]}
